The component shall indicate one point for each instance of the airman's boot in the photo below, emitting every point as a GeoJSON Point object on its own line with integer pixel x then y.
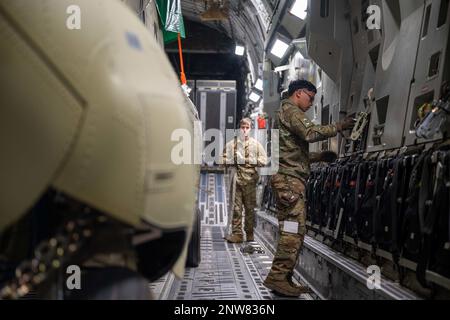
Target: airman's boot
{"type": "Point", "coordinates": [235, 238]}
{"type": "Point", "coordinates": [285, 287]}
{"type": "Point", "coordinates": [289, 279]}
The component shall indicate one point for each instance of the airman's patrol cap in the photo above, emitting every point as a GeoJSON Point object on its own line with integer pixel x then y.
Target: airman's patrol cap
{"type": "Point", "coordinates": [301, 84]}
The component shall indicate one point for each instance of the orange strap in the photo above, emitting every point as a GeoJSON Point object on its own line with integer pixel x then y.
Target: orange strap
{"type": "Point", "coordinates": [182, 76]}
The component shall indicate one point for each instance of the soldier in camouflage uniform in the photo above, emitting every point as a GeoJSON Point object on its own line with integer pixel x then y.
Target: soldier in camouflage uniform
{"type": "Point", "coordinates": [246, 154]}
{"type": "Point", "coordinates": [296, 131]}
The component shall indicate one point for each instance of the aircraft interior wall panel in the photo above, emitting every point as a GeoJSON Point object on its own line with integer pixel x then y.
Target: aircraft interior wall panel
{"type": "Point", "coordinates": [316, 118]}
{"type": "Point", "coordinates": [330, 46]}
{"type": "Point", "coordinates": [322, 48]}
{"type": "Point", "coordinates": [394, 73]}
{"type": "Point", "coordinates": [431, 58]}
{"type": "Point", "coordinates": [343, 36]}
{"type": "Point", "coordinates": [362, 73]}
{"type": "Point", "coordinates": [446, 63]}
{"type": "Point", "coordinates": [271, 94]}
{"type": "Point", "coordinates": [316, 111]}
{"type": "Point", "coordinates": [367, 83]}
{"type": "Point", "coordinates": [330, 43]}
{"type": "Point", "coordinates": [369, 63]}
{"type": "Point", "coordinates": [330, 94]}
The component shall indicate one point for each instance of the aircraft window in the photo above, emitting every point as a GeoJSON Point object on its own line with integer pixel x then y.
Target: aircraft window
{"type": "Point", "coordinates": [374, 53]}
{"type": "Point", "coordinates": [434, 64]}
{"type": "Point", "coordinates": [427, 21]}
{"type": "Point", "coordinates": [382, 108]}
{"type": "Point", "coordinates": [443, 13]}
{"type": "Point", "coordinates": [324, 8]}
{"type": "Point", "coordinates": [421, 107]}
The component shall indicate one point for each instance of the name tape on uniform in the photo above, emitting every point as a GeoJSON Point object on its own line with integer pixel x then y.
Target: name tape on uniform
{"type": "Point", "coordinates": [290, 226]}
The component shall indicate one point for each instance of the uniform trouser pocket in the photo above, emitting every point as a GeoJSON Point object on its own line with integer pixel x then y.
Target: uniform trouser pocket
{"type": "Point", "coordinates": [291, 214]}
{"type": "Point", "coordinates": [244, 200]}
{"type": "Point", "coordinates": [290, 195]}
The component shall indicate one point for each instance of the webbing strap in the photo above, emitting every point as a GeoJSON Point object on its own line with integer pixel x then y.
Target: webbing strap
{"type": "Point", "coordinates": [395, 203]}
{"type": "Point", "coordinates": [362, 167]}
{"type": "Point", "coordinates": [376, 207]}
{"type": "Point", "coordinates": [425, 191]}
{"type": "Point", "coordinates": [430, 217]}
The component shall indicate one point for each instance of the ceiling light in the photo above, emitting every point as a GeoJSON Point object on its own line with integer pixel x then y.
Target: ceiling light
{"type": "Point", "coordinates": [282, 68]}
{"type": "Point", "coordinates": [279, 48]}
{"type": "Point", "coordinates": [259, 85]}
{"type": "Point", "coordinates": [299, 9]}
{"type": "Point", "coordinates": [239, 50]}
{"type": "Point", "coordinates": [299, 55]}
{"type": "Point", "coordinates": [254, 97]}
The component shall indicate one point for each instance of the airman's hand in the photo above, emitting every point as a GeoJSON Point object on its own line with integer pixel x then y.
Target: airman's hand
{"type": "Point", "coordinates": [347, 123]}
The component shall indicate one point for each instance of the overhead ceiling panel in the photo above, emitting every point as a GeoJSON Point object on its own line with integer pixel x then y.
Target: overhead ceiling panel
{"type": "Point", "coordinates": [242, 24]}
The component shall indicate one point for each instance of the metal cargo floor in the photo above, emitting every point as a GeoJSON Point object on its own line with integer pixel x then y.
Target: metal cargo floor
{"type": "Point", "coordinates": [225, 273]}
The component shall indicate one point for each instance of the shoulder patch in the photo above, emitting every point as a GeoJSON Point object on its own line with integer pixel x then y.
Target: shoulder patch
{"type": "Point", "coordinates": [306, 122]}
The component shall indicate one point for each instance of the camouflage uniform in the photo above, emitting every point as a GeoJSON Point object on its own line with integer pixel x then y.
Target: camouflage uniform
{"type": "Point", "coordinates": [246, 156]}
{"type": "Point", "coordinates": [296, 131]}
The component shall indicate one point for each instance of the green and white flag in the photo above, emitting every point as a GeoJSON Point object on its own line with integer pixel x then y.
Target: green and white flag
{"type": "Point", "coordinates": [171, 19]}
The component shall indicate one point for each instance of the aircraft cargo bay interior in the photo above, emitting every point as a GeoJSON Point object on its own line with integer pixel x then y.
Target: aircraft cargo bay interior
{"type": "Point", "coordinates": [225, 150]}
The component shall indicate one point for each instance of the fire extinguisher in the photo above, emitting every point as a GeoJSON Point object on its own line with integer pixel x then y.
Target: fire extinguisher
{"type": "Point", "coordinates": [261, 122]}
